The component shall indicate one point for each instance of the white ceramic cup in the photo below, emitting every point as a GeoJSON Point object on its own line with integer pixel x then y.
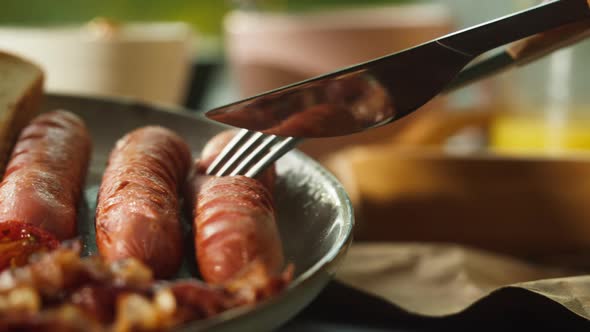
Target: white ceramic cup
{"type": "Point", "coordinates": [149, 62]}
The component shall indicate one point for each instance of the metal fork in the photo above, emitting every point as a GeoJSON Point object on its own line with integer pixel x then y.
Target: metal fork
{"type": "Point", "coordinates": [249, 153]}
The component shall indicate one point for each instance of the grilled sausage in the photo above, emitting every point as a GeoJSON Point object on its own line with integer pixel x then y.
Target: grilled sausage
{"type": "Point", "coordinates": [233, 220]}
{"type": "Point", "coordinates": [43, 182]}
{"type": "Point", "coordinates": [235, 225]}
{"type": "Point", "coordinates": [138, 210]}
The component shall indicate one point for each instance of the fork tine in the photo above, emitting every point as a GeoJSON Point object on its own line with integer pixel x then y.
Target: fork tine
{"type": "Point", "coordinates": [228, 150]}
{"type": "Point", "coordinates": [241, 152]}
{"type": "Point", "coordinates": [247, 148]}
{"type": "Point", "coordinates": [255, 154]}
{"type": "Point", "coordinates": [273, 154]}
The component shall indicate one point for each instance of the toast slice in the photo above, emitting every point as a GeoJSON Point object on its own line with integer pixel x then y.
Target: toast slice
{"type": "Point", "coordinates": [21, 92]}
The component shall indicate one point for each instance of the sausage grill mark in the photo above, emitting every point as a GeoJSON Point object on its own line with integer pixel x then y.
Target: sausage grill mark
{"type": "Point", "coordinates": [138, 211]}
{"type": "Point", "coordinates": [233, 220]}
{"type": "Point", "coordinates": [43, 181]}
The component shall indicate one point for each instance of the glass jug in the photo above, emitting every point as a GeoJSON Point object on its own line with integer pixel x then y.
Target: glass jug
{"type": "Point", "coordinates": [546, 105]}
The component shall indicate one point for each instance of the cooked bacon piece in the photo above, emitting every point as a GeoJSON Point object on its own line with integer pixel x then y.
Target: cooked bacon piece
{"type": "Point", "coordinates": [50, 293]}
{"type": "Point", "coordinates": [256, 283]}
{"type": "Point", "coordinates": [19, 240]}
{"type": "Point", "coordinates": [59, 291]}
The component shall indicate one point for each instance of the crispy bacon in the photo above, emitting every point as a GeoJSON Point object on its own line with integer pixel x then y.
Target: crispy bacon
{"type": "Point", "coordinates": [59, 290]}
{"type": "Point", "coordinates": [19, 240]}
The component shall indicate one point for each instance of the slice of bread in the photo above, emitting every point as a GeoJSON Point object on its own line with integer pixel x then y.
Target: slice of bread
{"type": "Point", "coordinates": [21, 91]}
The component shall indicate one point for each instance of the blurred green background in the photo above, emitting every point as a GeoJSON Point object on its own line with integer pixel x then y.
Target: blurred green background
{"type": "Point", "coordinates": [205, 16]}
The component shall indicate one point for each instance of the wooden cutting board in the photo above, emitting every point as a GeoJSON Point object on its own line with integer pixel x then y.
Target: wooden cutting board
{"type": "Point", "coordinates": [526, 206]}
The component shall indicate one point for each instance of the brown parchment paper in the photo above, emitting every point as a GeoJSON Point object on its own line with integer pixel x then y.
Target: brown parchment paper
{"type": "Point", "coordinates": [437, 280]}
{"type": "Point", "coordinates": [527, 215]}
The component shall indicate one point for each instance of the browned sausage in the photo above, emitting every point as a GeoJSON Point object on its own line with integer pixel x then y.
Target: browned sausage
{"type": "Point", "coordinates": [233, 220]}
{"type": "Point", "coordinates": [43, 182]}
{"type": "Point", "coordinates": [234, 226]}
{"type": "Point", "coordinates": [138, 210]}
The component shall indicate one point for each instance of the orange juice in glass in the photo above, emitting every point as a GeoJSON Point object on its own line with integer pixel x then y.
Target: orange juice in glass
{"type": "Point", "coordinates": [547, 105]}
